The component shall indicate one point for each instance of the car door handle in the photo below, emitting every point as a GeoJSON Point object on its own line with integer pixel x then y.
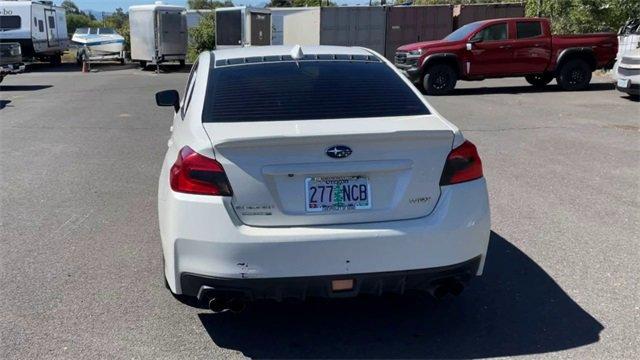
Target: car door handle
{"type": "Point", "coordinates": [505, 46]}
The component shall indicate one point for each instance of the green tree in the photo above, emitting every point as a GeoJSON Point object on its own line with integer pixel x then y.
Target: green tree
{"type": "Point", "coordinates": [202, 37]}
{"type": "Point", "coordinates": [208, 4]}
{"type": "Point", "coordinates": [581, 16]}
{"type": "Point", "coordinates": [119, 21]}
{"type": "Point", "coordinates": [70, 7]}
{"type": "Point", "coordinates": [75, 21]}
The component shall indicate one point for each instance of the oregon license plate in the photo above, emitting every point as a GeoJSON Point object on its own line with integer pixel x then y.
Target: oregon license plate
{"type": "Point", "coordinates": [623, 83]}
{"type": "Point", "coordinates": [337, 193]}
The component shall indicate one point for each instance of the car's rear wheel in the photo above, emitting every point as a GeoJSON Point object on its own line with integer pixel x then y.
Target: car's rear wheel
{"type": "Point", "coordinates": [539, 80]}
{"type": "Point", "coordinates": [574, 75]}
{"type": "Point", "coordinates": [143, 64]}
{"type": "Point", "coordinates": [439, 79]}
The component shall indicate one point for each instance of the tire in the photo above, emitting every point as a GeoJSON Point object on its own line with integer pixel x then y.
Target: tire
{"type": "Point", "coordinates": [539, 80]}
{"type": "Point", "coordinates": [143, 64]}
{"type": "Point", "coordinates": [439, 79]}
{"type": "Point", "coordinates": [55, 60]}
{"type": "Point", "coordinates": [182, 62]}
{"type": "Point", "coordinates": [122, 61]}
{"type": "Point", "coordinates": [574, 75]}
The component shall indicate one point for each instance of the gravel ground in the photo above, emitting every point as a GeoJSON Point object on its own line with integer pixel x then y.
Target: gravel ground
{"type": "Point", "coordinates": [80, 256]}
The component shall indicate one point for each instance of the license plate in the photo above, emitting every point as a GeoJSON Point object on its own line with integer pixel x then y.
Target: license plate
{"type": "Point", "coordinates": [337, 193]}
{"type": "Point", "coordinates": [623, 83]}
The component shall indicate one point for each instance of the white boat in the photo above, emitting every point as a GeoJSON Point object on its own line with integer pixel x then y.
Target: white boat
{"type": "Point", "coordinates": [99, 41]}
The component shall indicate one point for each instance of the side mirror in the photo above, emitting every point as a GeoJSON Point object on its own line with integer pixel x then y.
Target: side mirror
{"type": "Point", "coordinates": [168, 98]}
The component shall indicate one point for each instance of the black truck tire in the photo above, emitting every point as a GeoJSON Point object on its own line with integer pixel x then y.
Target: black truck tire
{"type": "Point", "coordinates": [574, 75]}
{"type": "Point", "coordinates": [539, 80]}
{"type": "Point", "coordinates": [439, 79]}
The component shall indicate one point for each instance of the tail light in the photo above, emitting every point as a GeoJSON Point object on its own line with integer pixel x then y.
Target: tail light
{"type": "Point", "coordinates": [463, 164]}
{"type": "Point", "coordinates": [197, 174]}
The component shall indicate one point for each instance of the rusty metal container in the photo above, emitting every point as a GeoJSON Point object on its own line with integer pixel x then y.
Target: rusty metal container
{"type": "Point", "coordinates": [410, 24]}
{"type": "Point", "coordinates": [465, 14]}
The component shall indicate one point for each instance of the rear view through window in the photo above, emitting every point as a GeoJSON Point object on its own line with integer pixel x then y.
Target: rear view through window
{"type": "Point", "coordinates": [308, 90]}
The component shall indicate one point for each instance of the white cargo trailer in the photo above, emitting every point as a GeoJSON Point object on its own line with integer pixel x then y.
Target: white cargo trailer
{"type": "Point", "coordinates": [295, 26]}
{"type": "Point", "coordinates": [242, 26]}
{"type": "Point", "coordinates": [39, 27]}
{"type": "Point", "coordinates": [158, 34]}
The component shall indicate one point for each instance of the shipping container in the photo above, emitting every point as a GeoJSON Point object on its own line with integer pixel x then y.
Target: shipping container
{"type": "Point", "coordinates": [465, 14]}
{"type": "Point", "coordinates": [158, 34]}
{"type": "Point", "coordinates": [410, 24]}
{"type": "Point", "coordinates": [242, 26]}
{"type": "Point", "coordinates": [353, 26]}
{"type": "Point", "coordinates": [295, 26]}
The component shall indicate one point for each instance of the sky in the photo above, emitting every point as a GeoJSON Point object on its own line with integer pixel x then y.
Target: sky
{"type": "Point", "coordinates": [111, 5]}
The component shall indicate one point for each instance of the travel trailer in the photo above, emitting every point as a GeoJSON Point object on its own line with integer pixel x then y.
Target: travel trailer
{"type": "Point", "coordinates": [38, 26]}
{"type": "Point", "coordinates": [158, 34]}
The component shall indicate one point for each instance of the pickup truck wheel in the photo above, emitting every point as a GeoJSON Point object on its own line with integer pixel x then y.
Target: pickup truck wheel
{"type": "Point", "coordinates": [539, 80]}
{"type": "Point", "coordinates": [439, 80]}
{"type": "Point", "coordinates": [574, 75]}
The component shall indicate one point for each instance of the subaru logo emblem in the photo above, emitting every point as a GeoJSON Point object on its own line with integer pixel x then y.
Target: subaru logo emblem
{"type": "Point", "coordinates": [339, 151]}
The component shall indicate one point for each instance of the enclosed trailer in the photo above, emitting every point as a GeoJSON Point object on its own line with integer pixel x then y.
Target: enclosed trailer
{"type": "Point", "coordinates": [295, 26]}
{"type": "Point", "coordinates": [411, 24]}
{"type": "Point", "coordinates": [158, 34]}
{"type": "Point", "coordinates": [465, 14]}
{"type": "Point", "coordinates": [353, 26]}
{"type": "Point", "coordinates": [242, 26]}
{"type": "Point", "coordinates": [39, 27]}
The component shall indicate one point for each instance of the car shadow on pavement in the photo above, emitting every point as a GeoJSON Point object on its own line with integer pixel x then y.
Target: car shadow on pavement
{"type": "Point", "coordinates": [4, 103]}
{"type": "Point", "coordinates": [524, 89]}
{"type": "Point", "coordinates": [516, 308]}
{"type": "Point", "coordinates": [24, 87]}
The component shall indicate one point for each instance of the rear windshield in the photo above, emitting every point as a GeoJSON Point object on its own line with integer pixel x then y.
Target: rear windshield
{"type": "Point", "coordinates": [308, 90]}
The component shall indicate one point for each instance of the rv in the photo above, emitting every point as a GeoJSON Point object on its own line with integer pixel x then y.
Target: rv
{"type": "Point", "coordinates": [38, 26]}
{"type": "Point", "coordinates": [158, 34]}
{"type": "Point", "coordinates": [242, 26]}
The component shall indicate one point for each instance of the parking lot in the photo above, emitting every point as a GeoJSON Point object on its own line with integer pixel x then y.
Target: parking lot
{"type": "Point", "coordinates": [80, 261]}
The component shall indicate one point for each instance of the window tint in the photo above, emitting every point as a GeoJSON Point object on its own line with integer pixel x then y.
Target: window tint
{"type": "Point", "coordinates": [93, 31]}
{"type": "Point", "coordinates": [188, 92]}
{"type": "Point", "coordinates": [308, 90]}
{"type": "Point", "coordinates": [52, 22]}
{"type": "Point", "coordinates": [40, 26]}
{"type": "Point", "coordinates": [528, 29]}
{"type": "Point", "coordinates": [463, 32]}
{"type": "Point", "coordinates": [107, 31]}
{"type": "Point", "coordinates": [11, 22]}
{"type": "Point", "coordinates": [492, 33]}
{"type": "Point", "coordinates": [82, 30]}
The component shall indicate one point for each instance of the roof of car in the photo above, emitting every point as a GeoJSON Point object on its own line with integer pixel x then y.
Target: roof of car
{"type": "Point", "coordinates": [282, 50]}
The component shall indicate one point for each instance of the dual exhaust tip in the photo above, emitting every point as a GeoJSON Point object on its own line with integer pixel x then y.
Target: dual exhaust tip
{"type": "Point", "coordinates": [220, 304]}
{"type": "Point", "coordinates": [449, 286]}
{"type": "Point", "coordinates": [237, 305]}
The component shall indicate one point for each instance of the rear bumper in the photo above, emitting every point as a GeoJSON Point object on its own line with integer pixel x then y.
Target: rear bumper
{"type": "Point", "coordinates": [320, 286]}
{"type": "Point", "coordinates": [201, 236]}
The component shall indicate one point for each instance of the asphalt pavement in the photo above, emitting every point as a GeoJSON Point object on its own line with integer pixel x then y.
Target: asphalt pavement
{"type": "Point", "coordinates": [80, 256]}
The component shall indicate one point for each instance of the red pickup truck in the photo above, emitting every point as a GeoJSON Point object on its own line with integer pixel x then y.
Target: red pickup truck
{"type": "Point", "coordinates": [506, 48]}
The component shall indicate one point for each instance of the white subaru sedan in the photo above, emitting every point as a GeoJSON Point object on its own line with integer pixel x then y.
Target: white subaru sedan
{"type": "Point", "coordinates": [296, 172]}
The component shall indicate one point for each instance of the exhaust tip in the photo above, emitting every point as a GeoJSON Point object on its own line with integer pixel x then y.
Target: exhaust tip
{"type": "Point", "coordinates": [237, 305]}
{"type": "Point", "coordinates": [217, 305]}
{"type": "Point", "coordinates": [456, 287]}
